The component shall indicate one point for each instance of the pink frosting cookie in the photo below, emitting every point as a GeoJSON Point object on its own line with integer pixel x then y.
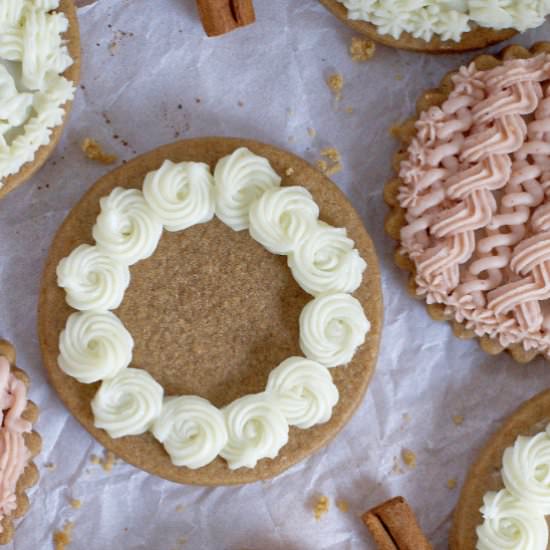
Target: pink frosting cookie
{"type": "Point", "coordinates": [476, 196]}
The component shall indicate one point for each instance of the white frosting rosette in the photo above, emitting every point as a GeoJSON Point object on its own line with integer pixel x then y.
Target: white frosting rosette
{"type": "Point", "coordinates": [127, 228]}
{"type": "Point", "coordinates": [92, 280]}
{"type": "Point", "coordinates": [191, 429]}
{"type": "Point", "coordinates": [304, 392]}
{"type": "Point", "coordinates": [127, 404]}
{"type": "Point", "coordinates": [256, 429]}
{"type": "Point", "coordinates": [300, 391]}
{"type": "Point", "coordinates": [510, 523]}
{"type": "Point", "coordinates": [240, 179]}
{"type": "Point", "coordinates": [526, 470]}
{"type": "Point", "coordinates": [94, 346]}
{"type": "Point", "coordinates": [332, 327]}
{"type": "Point", "coordinates": [327, 261]}
{"type": "Point", "coordinates": [181, 195]}
{"type": "Point", "coordinates": [282, 218]}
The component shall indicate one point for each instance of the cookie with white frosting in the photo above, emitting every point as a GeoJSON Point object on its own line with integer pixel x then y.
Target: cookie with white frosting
{"type": "Point", "coordinates": [41, 40]}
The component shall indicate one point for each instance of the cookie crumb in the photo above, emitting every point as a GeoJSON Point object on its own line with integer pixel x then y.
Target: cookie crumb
{"type": "Point", "coordinates": [396, 468]}
{"type": "Point", "coordinates": [361, 49]}
{"type": "Point", "coordinates": [336, 84]}
{"type": "Point", "coordinates": [75, 503]}
{"type": "Point", "coordinates": [332, 165]}
{"type": "Point", "coordinates": [409, 458]}
{"type": "Point", "coordinates": [398, 77]}
{"type": "Point", "coordinates": [94, 459]}
{"type": "Point", "coordinates": [343, 505]}
{"type": "Point", "coordinates": [451, 484]}
{"type": "Point", "coordinates": [331, 153]}
{"type": "Point", "coordinates": [289, 171]}
{"type": "Point", "coordinates": [406, 417]}
{"type": "Point", "coordinates": [312, 132]}
{"type": "Point", "coordinates": [93, 150]}
{"type": "Point", "coordinates": [108, 461]}
{"type": "Point", "coordinates": [182, 540]}
{"type": "Point", "coordinates": [349, 110]}
{"type": "Point", "coordinates": [321, 507]}
{"type": "Point", "coordinates": [458, 419]}
{"type": "Point", "coordinates": [61, 539]}
{"type": "Point", "coordinates": [50, 466]}
{"type": "Point", "coordinates": [180, 508]}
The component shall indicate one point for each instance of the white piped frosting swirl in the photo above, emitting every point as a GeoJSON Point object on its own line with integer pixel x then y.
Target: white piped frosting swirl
{"type": "Point", "coordinates": [282, 218]}
{"type": "Point", "coordinates": [92, 280]}
{"type": "Point", "coordinates": [192, 430]}
{"type": "Point", "coordinates": [181, 195]}
{"type": "Point", "coordinates": [256, 429]}
{"type": "Point", "coordinates": [510, 523]}
{"type": "Point", "coordinates": [94, 345]}
{"type": "Point", "coordinates": [127, 404]}
{"type": "Point", "coordinates": [326, 261]}
{"type": "Point", "coordinates": [127, 228]}
{"type": "Point", "coordinates": [304, 392]}
{"type": "Point", "coordinates": [240, 179]}
{"type": "Point", "coordinates": [332, 327]}
{"type": "Point", "coordinates": [526, 470]}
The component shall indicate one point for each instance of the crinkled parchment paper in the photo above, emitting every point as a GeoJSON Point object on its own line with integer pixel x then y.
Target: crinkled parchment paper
{"type": "Point", "coordinates": [149, 77]}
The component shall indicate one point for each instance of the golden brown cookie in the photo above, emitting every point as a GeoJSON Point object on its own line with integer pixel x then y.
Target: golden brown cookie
{"type": "Point", "coordinates": [33, 442]}
{"type": "Point", "coordinates": [396, 218]}
{"type": "Point", "coordinates": [473, 40]}
{"type": "Point", "coordinates": [72, 36]}
{"type": "Point", "coordinates": [484, 475]}
{"type": "Point", "coordinates": [199, 280]}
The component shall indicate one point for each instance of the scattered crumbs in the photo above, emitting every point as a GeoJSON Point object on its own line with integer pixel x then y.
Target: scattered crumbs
{"type": "Point", "coordinates": [62, 539]}
{"type": "Point", "coordinates": [343, 505]}
{"type": "Point", "coordinates": [180, 508]}
{"type": "Point", "coordinates": [361, 49]}
{"type": "Point", "coordinates": [451, 484]}
{"type": "Point", "coordinates": [396, 469]}
{"type": "Point", "coordinates": [349, 109]}
{"type": "Point", "coordinates": [458, 419]}
{"type": "Point", "coordinates": [75, 503]}
{"type": "Point", "coordinates": [331, 163]}
{"type": "Point", "coordinates": [289, 171]}
{"type": "Point", "coordinates": [409, 458]}
{"type": "Point", "coordinates": [50, 466]}
{"type": "Point", "coordinates": [93, 150]}
{"type": "Point", "coordinates": [312, 132]}
{"type": "Point", "coordinates": [321, 507]}
{"type": "Point", "coordinates": [398, 76]}
{"type": "Point", "coordinates": [94, 459]}
{"type": "Point", "coordinates": [108, 461]}
{"type": "Point", "coordinates": [336, 84]}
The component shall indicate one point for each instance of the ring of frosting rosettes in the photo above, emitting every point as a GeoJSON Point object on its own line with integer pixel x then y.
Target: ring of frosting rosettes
{"type": "Point", "coordinates": [32, 40]}
{"type": "Point", "coordinates": [470, 206]}
{"type": "Point", "coordinates": [244, 193]}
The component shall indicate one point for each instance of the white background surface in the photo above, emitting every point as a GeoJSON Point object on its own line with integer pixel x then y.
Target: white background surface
{"type": "Point", "coordinates": [276, 70]}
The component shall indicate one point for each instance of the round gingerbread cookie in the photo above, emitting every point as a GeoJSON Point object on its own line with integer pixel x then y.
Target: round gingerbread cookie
{"type": "Point", "coordinates": [212, 312]}
{"type": "Point", "coordinates": [511, 519]}
{"type": "Point", "coordinates": [466, 249]}
{"type": "Point", "coordinates": [71, 38]}
{"type": "Point", "coordinates": [480, 37]}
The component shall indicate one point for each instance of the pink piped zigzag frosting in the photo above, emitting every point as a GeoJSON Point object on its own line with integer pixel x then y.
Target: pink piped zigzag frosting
{"type": "Point", "coordinates": [476, 194]}
{"type": "Point", "coordinates": [14, 454]}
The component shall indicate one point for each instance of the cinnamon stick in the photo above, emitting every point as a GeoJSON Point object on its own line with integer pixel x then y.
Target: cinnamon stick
{"type": "Point", "coordinates": [222, 16]}
{"type": "Point", "coordinates": [394, 526]}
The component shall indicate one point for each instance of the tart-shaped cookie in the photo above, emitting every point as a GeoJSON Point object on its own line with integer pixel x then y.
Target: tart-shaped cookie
{"type": "Point", "coordinates": [433, 26]}
{"type": "Point", "coordinates": [41, 48]}
{"type": "Point", "coordinates": [19, 444]}
{"type": "Point", "coordinates": [468, 207]}
{"type": "Point", "coordinates": [256, 354]}
{"type": "Point", "coordinates": [505, 501]}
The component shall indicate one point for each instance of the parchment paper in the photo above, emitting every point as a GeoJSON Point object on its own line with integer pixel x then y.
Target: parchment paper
{"type": "Point", "coordinates": [149, 77]}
